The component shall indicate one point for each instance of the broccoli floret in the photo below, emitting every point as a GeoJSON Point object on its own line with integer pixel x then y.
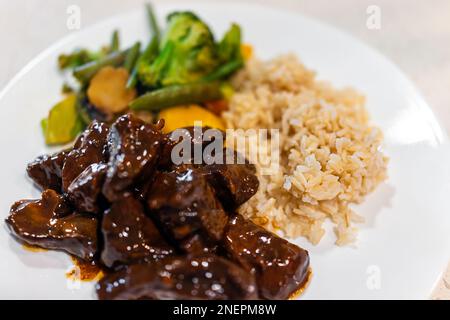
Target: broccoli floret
{"type": "Point", "coordinates": [187, 53]}
{"type": "Point", "coordinates": [229, 52]}
{"type": "Point", "coordinates": [230, 45]}
{"type": "Point", "coordinates": [78, 57]}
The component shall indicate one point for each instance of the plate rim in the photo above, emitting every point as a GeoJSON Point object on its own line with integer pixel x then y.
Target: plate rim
{"type": "Point", "coordinates": [439, 131]}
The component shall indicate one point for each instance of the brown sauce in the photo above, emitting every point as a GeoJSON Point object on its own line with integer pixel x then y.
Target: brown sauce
{"type": "Point", "coordinates": [31, 248]}
{"type": "Point", "coordinates": [84, 270]}
{"type": "Point", "coordinates": [296, 294]}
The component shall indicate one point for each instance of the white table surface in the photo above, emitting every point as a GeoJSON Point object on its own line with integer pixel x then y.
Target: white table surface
{"type": "Point", "coordinates": [415, 34]}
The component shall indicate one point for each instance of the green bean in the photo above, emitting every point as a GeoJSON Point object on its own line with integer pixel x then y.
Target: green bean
{"type": "Point", "coordinates": [132, 79]}
{"type": "Point", "coordinates": [149, 53]}
{"type": "Point", "coordinates": [85, 72]}
{"type": "Point", "coordinates": [76, 58]}
{"type": "Point", "coordinates": [177, 95]}
{"type": "Point", "coordinates": [224, 70]}
{"type": "Point", "coordinates": [81, 108]}
{"type": "Point", "coordinates": [152, 48]}
{"type": "Point", "coordinates": [132, 56]}
{"type": "Point", "coordinates": [115, 42]}
{"type": "Point", "coordinates": [154, 28]}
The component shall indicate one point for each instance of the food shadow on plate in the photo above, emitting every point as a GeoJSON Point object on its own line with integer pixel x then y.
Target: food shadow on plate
{"type": "Point", "coordinates": [37, 257]}
{"type": "Point", "coordinates": [370, 210]}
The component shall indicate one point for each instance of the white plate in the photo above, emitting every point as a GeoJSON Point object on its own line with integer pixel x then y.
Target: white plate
{"type": "Point", "coordinates": [403, 246]}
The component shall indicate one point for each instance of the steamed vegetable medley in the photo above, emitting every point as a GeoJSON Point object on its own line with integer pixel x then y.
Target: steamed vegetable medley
{"type": "Point", "coordinates": [180, 75]}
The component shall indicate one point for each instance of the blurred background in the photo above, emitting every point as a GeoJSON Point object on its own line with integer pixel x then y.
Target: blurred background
{"type": "Point", "coordinates": [414, 34]}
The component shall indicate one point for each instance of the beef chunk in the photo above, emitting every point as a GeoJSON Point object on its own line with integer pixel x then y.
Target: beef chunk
{"type": "Point", "coordinates": [280, 267]}
{"type": "Point", "coordinates": [192, 277]}
{"type": "Point", "coordinates": [134, 148]}
{"type": "Point", "coordinates": [197, 244]}
{"type": "Point", "coordinates": [229, 173]}
{"type": "Point", "coordinates": [130, 236]}
{"type": "Point", "coordinates": [85, 189]}
{"type": "Point", "coordinates": [185, 204]}
{"type": "Point", "coordinates": [140, 190]}
{"type": "Point", "coordinates": [49, 223]}
{"type": "Point", "coordinates": [193, 139]}
{"type": "Point", "coordinates": [88, 149]}
{"type": "Point", "coordinates": [46, 170]}
{"type": "Point", "coordinates": [234, 184]}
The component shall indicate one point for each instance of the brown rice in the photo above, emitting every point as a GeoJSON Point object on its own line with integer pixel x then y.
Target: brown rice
{"type": "Point", "coordinates": [330, 154]}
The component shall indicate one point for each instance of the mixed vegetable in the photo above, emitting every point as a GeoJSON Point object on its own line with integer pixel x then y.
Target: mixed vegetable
{"type": "Point", "coordinates": [180, 75]}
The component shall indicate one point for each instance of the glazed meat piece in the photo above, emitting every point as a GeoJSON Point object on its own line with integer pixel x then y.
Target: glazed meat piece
{"type": "Point", "coordinates": [85, 189]}
{"type": "Point", "coordinates": [185, 204]}
{"type": "Point", "coordinates": [46, 170]}
{"type": "Point", "coordinates": [197, 244]}
{"type": "Point", "coordinates": [193, 139]}
{"type": "Point", "coordinates": [130, 236]}
{"type": "Point", "coordinates": [140, 190]}
{"type": "Point", "coordinates": [234, 183]}
{"type": "Point", "coordinates": [88, 149]}
{"type": "Point", "coordinates": [280, 267]}
{"type": "Point", "coordinates": [134, 148]}
{"type": "Point", "coordinates": [49, 223]}
{"type": "Point", "coordinates": [230, 174]}
{"type": "Point", "coordinates": [192, 277]}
